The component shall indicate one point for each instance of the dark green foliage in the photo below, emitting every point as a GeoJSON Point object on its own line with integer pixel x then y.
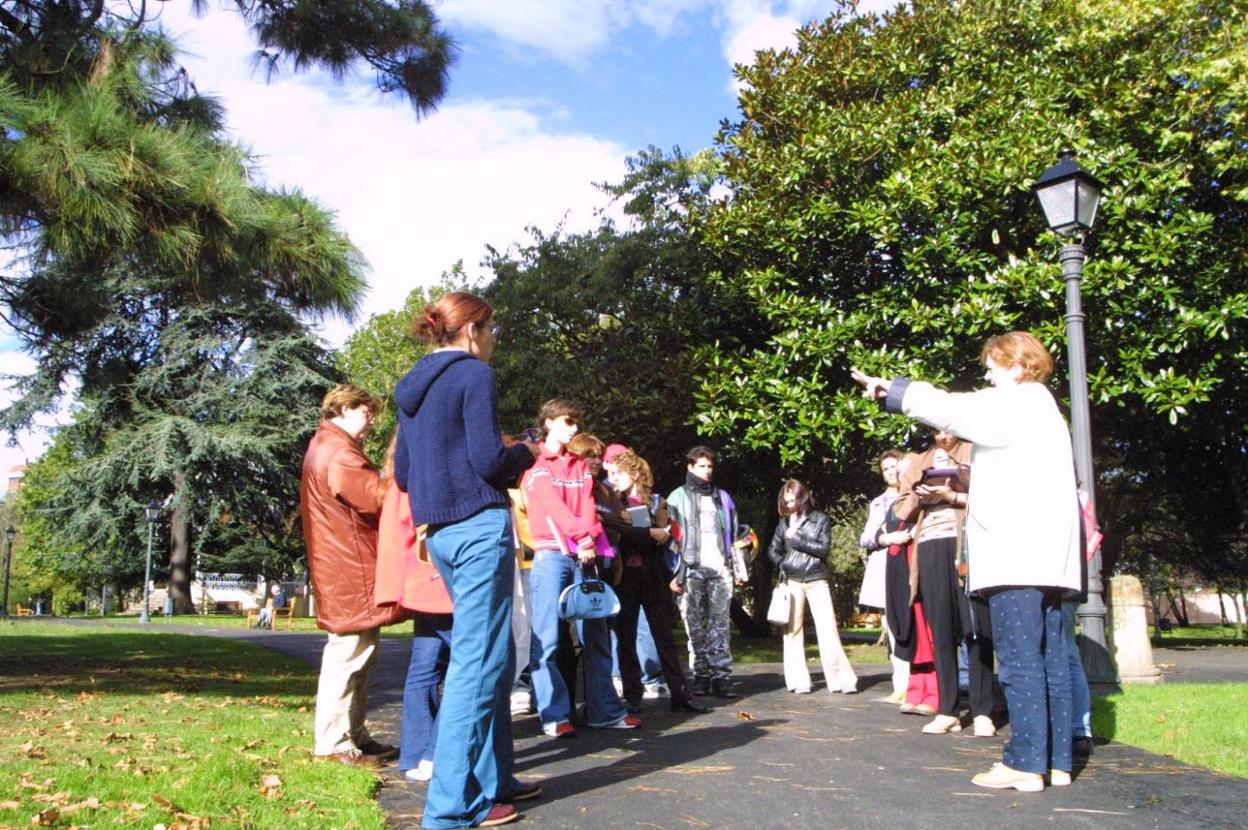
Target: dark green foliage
{"type": "Point", "coordinates": [882, 216]}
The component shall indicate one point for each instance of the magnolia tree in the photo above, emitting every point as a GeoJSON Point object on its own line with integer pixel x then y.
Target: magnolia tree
{"type": "Point", "coordinates": [881, 216]}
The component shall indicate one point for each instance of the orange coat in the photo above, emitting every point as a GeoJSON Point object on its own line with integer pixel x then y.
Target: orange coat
{"type": "Point", "coordinates": [406, 576]}
{"type": "Point", "coordinates": [339, 500]}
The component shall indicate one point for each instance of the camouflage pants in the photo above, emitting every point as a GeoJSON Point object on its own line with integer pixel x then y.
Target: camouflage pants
{"type": "Point", "coordinates": [705, 609]}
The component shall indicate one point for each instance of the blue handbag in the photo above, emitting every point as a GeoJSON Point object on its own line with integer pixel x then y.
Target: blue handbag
{"type": "Point", "coordinates": [589, 599]}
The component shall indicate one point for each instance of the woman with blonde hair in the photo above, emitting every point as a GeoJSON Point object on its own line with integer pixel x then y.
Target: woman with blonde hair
{"type": "Point", "coordinates": [644, 583]}
{"type": "Point", "coordinates": [799, 548]}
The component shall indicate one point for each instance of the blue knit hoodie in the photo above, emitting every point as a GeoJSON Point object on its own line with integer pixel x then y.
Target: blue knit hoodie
{"type": "Point", "coordinates": [450, 458]}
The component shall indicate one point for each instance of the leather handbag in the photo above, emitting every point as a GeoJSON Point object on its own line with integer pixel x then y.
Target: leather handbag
{"type": "Point", "coordinates": [781, 607]}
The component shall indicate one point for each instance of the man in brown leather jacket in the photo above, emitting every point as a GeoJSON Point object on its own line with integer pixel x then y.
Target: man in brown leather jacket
{"type": "Point", "coordinates": [340, 499]}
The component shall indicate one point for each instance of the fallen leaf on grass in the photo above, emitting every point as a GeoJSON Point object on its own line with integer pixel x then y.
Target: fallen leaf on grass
{"type": "Point", "coordinates": [271, 786]}
{"type": "Point", "coordinates": [31, 750]}
{"type": "Point", "coordinates": [10, 805]}
{"type": "Point", "coordinates": [57, 798]}
{"type": "Point", "coordinates": [45, 818]}
{"type": "Point", "coordinates": [114, 737]}
{"type": "Point", "coordinates": [167, 804]}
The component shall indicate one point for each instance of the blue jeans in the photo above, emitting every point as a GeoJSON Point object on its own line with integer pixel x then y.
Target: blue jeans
{"type": "Point", "coordinates": [1034, 672]}
{"type": "Point", "coordinates": [472, 766]}
{"type": "Point", "coordinates": [1081, 711]}
{"type": "Point", "coordinates": [647, 653]}
{"type": "Point", "coordinates": [431, 651]}
{"type": "Point", "coordinates": [551, 573]}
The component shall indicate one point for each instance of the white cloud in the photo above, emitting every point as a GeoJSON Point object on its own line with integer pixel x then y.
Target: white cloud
{"type": "Point", "coordinates": [568, 30]}
{"type": "Point", "coordinates": [571, 31]}
{"type": "Point", "coordinates": [415, 197]}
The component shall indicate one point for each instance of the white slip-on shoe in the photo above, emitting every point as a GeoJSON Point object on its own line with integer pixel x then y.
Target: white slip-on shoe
{"type": "Point", "coordinates": [941, 724]}
{"type": "Point", "coordinates": [982, 727]}
{"type": "Point", "coordinates": [1001, 777]}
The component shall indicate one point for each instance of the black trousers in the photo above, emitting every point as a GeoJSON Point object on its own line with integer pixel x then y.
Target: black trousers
{"type": "Point", "coordinates": [977, 633]}
{"type": "Point", "coordinates": [647, 587]}
{"type": "Point", "coordinates": [942, 598]}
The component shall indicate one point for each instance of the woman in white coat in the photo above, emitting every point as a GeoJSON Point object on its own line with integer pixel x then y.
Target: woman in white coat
{"type": "Point", "coordinates": [1022, 537]}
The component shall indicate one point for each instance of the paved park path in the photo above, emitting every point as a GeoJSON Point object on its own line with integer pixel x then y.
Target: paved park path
{"type": "Point", "coordinates": [776, 761]}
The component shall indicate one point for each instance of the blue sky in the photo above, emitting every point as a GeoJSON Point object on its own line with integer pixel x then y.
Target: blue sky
{"type": "Point", "coordinates": [547, 100]}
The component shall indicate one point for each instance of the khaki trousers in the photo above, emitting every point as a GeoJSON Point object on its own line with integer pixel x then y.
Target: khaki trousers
{"type": "Point", "coordinates": [342, 691]}
{"type": "Point", "coordinates": [837, 672]}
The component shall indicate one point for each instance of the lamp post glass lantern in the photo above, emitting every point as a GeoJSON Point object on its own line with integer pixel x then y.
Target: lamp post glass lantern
{"type": "Point", "coordinates": [1069, 196]}
{"type": "Point", "coordinates": [152, 513]}
{"type": "Point", "coordinates": [10, 533]}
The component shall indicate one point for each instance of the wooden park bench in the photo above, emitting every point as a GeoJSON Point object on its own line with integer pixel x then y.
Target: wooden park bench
{"type": "Point", "coordinates": [23, 611]}
{"type": "Point", "coordinates": [286, 612]}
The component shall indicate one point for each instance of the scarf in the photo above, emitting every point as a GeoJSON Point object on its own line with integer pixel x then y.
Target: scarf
{"type": "Point", "coordinates": [699, 486]}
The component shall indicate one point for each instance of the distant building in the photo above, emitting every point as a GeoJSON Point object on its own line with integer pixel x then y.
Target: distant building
{"type": "Point", "coordinates": [15, 477]}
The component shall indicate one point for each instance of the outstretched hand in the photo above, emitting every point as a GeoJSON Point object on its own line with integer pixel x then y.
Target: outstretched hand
{"type": "Point", "coordinates": [872, 387]}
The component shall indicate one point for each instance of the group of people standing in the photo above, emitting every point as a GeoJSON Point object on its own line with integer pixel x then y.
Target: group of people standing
{"type": "Point", "coordinates": [481, 534]}
{"type": "Point", "coordinates": [983, 545]}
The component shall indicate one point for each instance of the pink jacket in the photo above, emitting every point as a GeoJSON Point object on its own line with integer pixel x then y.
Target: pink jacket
{"type": "Point", "coordinates": [405, 574]}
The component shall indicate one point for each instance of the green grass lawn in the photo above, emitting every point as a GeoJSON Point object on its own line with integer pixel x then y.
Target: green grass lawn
{"type": "Point", "coordinates": [117, 728]}
{"type": "Point", "coordinates": [1198, 723]}
{"type": "Point", "coordinates": [1197, 635]}
{"type": "Point", "coordinates": [203, 621]}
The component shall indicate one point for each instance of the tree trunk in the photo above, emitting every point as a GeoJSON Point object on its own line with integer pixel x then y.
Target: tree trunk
{"type": "Point", "coordinates": [1183, 603]}
{"type": "Point", "coordinates": [180, 547]}
{"type": "Point", "coordinates": [1222, 605]}
{"type": "Point", "coordinates": [1241, 606]}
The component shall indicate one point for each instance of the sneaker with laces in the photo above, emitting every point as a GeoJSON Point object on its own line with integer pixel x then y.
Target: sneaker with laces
{"type": "Point", "coordinates": [1001, 777]}
{"type": "Point", "coordinates": [626, 722]}
{"type": "Point", "coordinates": [562, 729]}
{"type": "Point", "coordinates": [983, 727]}
{"type": "Point", "coordinates": [654, 691]}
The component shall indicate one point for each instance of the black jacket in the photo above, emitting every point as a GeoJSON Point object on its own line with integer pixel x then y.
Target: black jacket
{"type": "Point", "coordinates": [803, 557]}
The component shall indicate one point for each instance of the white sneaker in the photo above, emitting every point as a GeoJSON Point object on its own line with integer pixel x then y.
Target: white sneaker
{"type": "Point", "coordinates": [654, 691]}
{"type": "Point", "coordinates": [1059, 778]}
{"type": "Point", "coordinates": [422, 772]}
{"type": "Point", "coordinates": [982, 727]}
{"type": "Point", "coordinates": [521, 702]}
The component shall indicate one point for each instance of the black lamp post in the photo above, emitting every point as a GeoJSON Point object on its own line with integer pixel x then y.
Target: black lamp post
{"type": "Point", "coordinates": [1069, 196]}
{"type": "Point", "coordinates": [10, 533]}
{"type": "Point", "coordinates": [152, 512]}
